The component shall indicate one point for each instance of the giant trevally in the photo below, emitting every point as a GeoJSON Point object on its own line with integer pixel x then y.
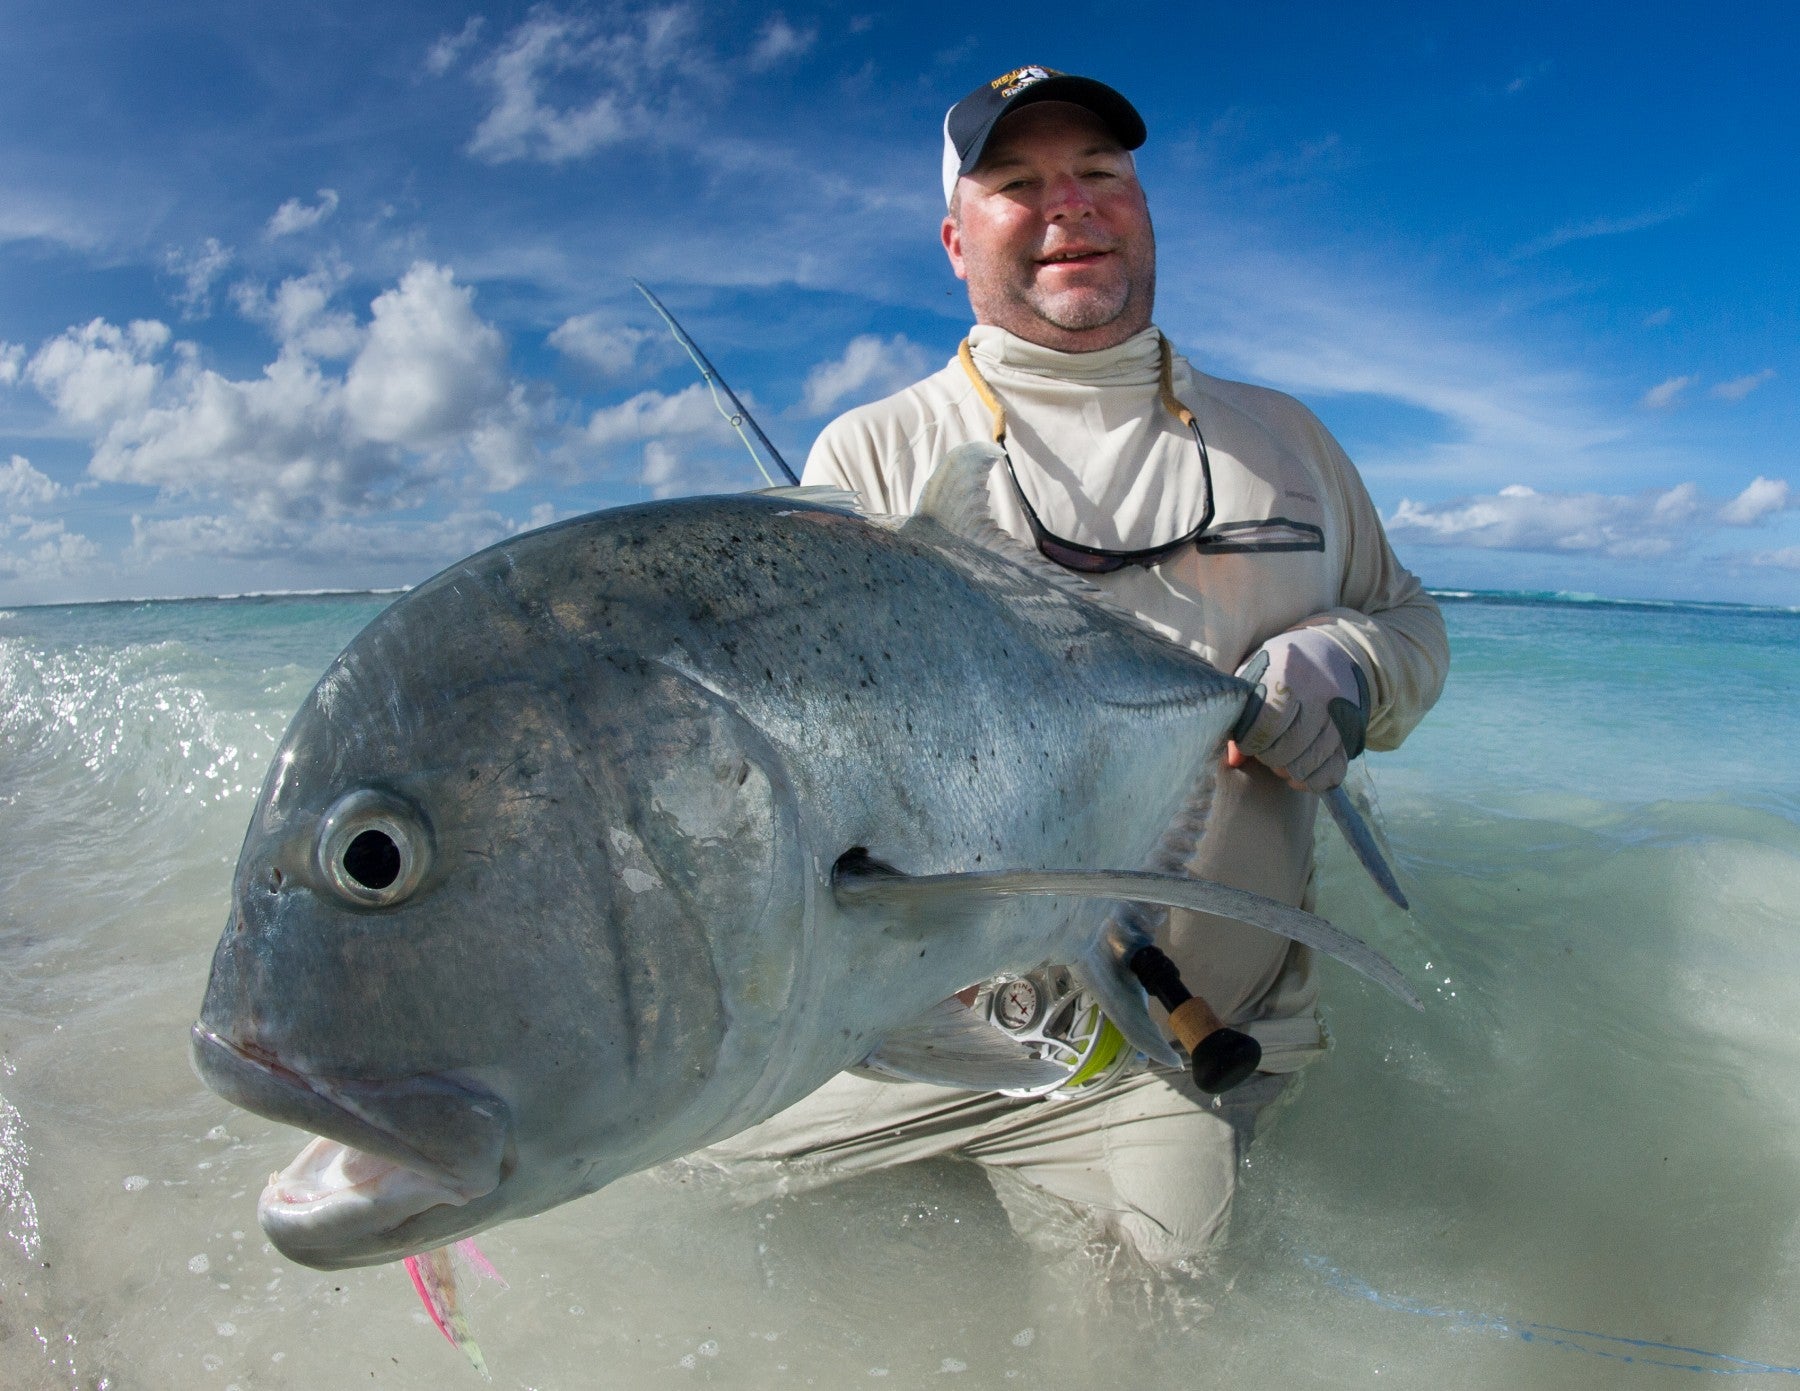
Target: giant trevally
{"type": "Point", "coordinates": [622, 835]}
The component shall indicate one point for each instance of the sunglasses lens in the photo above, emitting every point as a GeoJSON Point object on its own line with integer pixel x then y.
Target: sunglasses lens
{"type": "Point", "coordinates": [1071, 559]}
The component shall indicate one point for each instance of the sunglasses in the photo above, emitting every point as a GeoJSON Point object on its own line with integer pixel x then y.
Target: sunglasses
{"type": "Point", "coordinates": [1075, 555]}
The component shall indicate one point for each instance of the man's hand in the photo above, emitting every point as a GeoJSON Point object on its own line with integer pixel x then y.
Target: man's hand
{"type": "Point", "coordinates": [1310, 713]}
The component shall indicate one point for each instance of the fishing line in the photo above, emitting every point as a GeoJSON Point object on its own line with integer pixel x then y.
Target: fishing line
{"type": "Point", "coordinates": [1640, 1351]}
{"type": "Point", "coordinates": [739, 415]}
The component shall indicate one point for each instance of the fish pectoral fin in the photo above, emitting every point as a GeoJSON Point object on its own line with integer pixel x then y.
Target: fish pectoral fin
{"type": "Point", "coordinates": [1103, 974]}
{"type": "Point", "coordinates": [953, 1046]}
{"type": "Point", "coordinates": [865, 881]}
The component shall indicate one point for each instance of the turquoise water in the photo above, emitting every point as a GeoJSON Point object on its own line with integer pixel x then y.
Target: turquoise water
{"type": "Point", "coordinates": [1580, 1167]}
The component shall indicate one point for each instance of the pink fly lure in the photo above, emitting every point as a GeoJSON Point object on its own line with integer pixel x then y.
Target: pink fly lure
{"type": "Point", "coordinates": [434, 1277]}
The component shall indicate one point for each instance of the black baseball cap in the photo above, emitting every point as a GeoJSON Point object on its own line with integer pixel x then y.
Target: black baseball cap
{"type": "Point", "coordinates": [969, 124]}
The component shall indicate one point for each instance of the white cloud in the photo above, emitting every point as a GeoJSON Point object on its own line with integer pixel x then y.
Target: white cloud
{"type": "Point", "coordinates": [673, 471]}
{"type": "Point", "coordinates": [1667, 395]}
{"type": "Point", "coordinates": [1322, 329]}
{"type": "Point", "coordinates": [198, 272]}
{"type": "Point", "coordinates": [1658, 317]}
{"type": "Point", "coordinates": [99, 372]}
{"type": "Point", "coordinates": [425, 401]}
{"type": "Point", "coordinates": [628, 70]}
{"type": "Point", "coordinates": [299, 314]}
{"type": "Point", "coordinates": [610, 349]}
{"type": "Point", "coordinates": [1621, 526]}
{"type": "Point", "coordinates": [430, 368]}
{"type": "Point", "coordinates": [23, 488]}
{"type": "Point", "coordinates": [449, 48]}
{"type": "Point", "coordinates": [295, 216]}
{"type": "Point", "coordinates": [778, 41]}
{"type": "Point", "coordinates": [1764, 497]}
{"type": "Point", "coordinates": [871, 367]}
{"type": "Point", "coordinates": [1787, 558]}
{"type": "Point", "coordinates": [652, 415]}
{"type": "Point", "coordinates": [1740, 387]}
{"type": "Point", "coordinates": [43, 550]}
{"type": "Point", "coordinates": [1602, 227]}
{"type": "Point", "coordinates": [12, 363]}
{"type": "Point", "coordinates": [414, 544]}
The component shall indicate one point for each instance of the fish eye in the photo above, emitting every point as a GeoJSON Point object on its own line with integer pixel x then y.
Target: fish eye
{"type": "Point", "coordinates": [373, 848]}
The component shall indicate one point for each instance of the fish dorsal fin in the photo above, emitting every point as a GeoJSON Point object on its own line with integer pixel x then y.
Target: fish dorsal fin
{"type": "Point", "coordinates": [834, 497]}
{"type": "Point", "coordinates": [861, 881]}
{"type": "Point", "coordinates": [818, 494]}
{"type": "Point", "coordinates": [956, 499]}
{"type": "Point", "coordinates": [952, 1046]}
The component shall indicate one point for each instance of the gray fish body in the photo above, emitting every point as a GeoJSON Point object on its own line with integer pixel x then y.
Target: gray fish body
{"type": "Point", "coordinates": [602, 773]}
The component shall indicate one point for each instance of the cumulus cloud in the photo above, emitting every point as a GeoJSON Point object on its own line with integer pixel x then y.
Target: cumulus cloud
{"type": "Point", "coordinates": [871, 367]}
{"type": "Point", "coordinates": [295, 216]}
{"type": "Point", "coordinates": [1763, 498]}
{"type": "Point", "coordinates": [677, 443]}
{"type": "Point", "coordinates": [1667, 395]}
{"type": "Point", "coordinates": [198, 270]}
{"type": "Point", "coordinates": [23, 488]}
{"type": "Point", "coordinates": [430, 367]}
{"type": "Point", "coordinates": [626, 73]}
{"type": "Point", "coordinates": [300, 315]}
{"type": "Point", "coordinates": [426, 399]}
{"type": "Point", "coordinates": [12, 363]}
{"type": "Point", "coordinates": [678, 470]}
{"type": "Point", "coordinates": [1740, 387]}
{"type": "Point", "coordinates": [43, 550]}
{"type": "Point", "coordinates": [612, 350]}
{"type": "Point", "coordinates": [779, 41]}
{"type": "Point", "coordinates": [1628, 526]}
{"type": "Point", "coordinates": [653, 415]}
{"type": "Point", "coordinates": [99, 373]}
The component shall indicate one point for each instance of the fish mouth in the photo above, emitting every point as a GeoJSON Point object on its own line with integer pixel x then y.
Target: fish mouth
{"type": "Point", "coordinates": [345, 1198]}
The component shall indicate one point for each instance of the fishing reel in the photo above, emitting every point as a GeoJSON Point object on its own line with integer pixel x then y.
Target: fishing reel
{"type": "Point", "coordinates": [1049, 1012]}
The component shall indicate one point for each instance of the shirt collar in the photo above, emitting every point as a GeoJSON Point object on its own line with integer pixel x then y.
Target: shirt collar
{"type": "Point", "coordinates": [1135, 362]}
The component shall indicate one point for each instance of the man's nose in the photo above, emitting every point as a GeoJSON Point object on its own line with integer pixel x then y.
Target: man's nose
{"type": "Point", "coordinates": [1067, 199]}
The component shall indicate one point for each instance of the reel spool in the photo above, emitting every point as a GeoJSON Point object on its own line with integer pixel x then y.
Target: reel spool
{"type": "Point", "coordinates": [1048, 1012]}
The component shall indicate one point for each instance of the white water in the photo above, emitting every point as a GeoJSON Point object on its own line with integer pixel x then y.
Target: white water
{"type": "Point", "coordinates": [1592, 1129]}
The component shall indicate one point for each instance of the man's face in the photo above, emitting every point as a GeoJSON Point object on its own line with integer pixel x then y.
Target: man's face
{"type": "Point", "coordinates": [1052, 233]}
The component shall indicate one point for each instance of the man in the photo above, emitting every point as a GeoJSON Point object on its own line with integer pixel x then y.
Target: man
{"type": "Point", "coordinates": [1228, 519]}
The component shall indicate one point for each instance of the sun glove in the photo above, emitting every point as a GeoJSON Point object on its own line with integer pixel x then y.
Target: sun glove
{"type": "Point", "coordinates": [1309, 714]}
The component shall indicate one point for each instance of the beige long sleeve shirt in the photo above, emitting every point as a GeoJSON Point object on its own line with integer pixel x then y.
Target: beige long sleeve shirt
{"type": "Point", "coordinates": [1295, 542]}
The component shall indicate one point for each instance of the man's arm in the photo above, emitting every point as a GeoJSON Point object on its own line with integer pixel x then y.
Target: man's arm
{"type": "Point", "coordinates": [1362, 672]}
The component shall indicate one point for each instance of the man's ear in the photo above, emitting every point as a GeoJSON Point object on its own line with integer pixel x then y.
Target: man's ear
{"type": "Point", "coordinates": [953, 247]}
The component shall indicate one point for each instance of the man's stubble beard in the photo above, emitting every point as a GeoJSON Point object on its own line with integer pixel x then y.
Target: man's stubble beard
{"type": "Point", "coordinates": [1081, 312]}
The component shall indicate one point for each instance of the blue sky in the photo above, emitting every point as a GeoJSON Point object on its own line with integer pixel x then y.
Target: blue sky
{"type": "Point", "coordinates": [326, 296]}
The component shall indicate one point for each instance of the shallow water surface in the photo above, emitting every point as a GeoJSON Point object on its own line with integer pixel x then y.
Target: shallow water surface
{"type": "Point", "coordinates": [1580, 1167]}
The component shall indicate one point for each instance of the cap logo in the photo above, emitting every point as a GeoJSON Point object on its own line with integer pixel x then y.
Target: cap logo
{"type": "Point", "coordinates": [1016, 81]}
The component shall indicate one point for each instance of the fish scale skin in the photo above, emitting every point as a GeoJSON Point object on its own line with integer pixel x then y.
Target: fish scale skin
{"type": "Point", "coordinates": [641, 740]}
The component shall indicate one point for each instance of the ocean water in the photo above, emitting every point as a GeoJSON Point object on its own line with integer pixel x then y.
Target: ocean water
{"type": "Point", "coordinates": [1579, 1167]}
